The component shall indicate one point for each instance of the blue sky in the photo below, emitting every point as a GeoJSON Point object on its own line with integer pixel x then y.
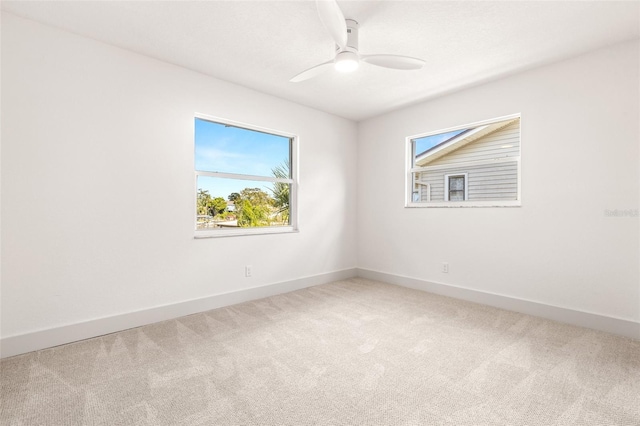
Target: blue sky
{"type": "Point", "coordinates": [427, 142]}
{"type": "Point", "coordinates": [219, 148]}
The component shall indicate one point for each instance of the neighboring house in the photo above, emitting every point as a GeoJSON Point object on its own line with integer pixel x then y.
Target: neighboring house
{"type": "Point", "coordinates": [479, 164]}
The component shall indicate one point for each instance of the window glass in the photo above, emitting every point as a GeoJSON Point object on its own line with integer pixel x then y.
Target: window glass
{"type": "Point", "coordinates": [472, 165]}
{"type": "Point", "coordinates": [456, 188]}
{"type": "Point", "coordinates": [244, 180]}
{"type": "Point", "coordinates": [226, 148]}
{"type": "Point", "coordinates": [425, 144]}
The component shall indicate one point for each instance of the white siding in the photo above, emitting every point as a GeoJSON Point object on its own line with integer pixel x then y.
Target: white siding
{"type": "Point", "coordinates": [487, 181]}
{"type": "Point", "coordinates": [487, 147]}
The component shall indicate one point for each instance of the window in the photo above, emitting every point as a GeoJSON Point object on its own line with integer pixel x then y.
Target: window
{"type": "Point", "coordinates": [456, 187]}
{"type": "Point", "coordinates": [475, 165]}
{"type": "Point", "coordinates": [245, 179]}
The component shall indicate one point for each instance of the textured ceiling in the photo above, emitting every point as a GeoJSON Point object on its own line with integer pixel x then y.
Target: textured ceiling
{"type": "Point", "coordinates": [262, 44]}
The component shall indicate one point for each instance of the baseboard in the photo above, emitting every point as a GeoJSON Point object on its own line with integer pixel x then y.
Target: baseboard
{"type": "Point", "coordinates": [42, 339]}
{"type": "Point", "coordinates": [28, 342]}
{"type": "Point", "coordinates": [612, 325]}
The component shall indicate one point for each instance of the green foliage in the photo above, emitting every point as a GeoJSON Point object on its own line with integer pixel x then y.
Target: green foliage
{"type": "Point", "coordinates": [218, 205]}
{"type": "Point", "coordinates": [280, 191]}
{"type": "Point", "coordinates": [208, 205]}
{"type": "Point", "coordinates": [253, 208]}
{"type": "Point", "coordinates": [203, 201]}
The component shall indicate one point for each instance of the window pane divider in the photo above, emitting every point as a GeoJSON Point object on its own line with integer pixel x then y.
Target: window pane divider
{"type": "Point", "coordinates": [243, 177]}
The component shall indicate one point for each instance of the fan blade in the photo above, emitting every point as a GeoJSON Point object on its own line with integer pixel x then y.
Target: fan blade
{"type": "Point", "coordinates": [333, 20]}
{"type": "Point", "coordinates": [312, 72]}
{"type": "Point", "coordinates": [394, 61]}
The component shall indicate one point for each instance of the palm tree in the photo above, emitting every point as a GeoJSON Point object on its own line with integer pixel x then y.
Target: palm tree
{"type": "Point", "coordinates": [204, 198]}
{"type": "Point", "coordinates": [280, 190]}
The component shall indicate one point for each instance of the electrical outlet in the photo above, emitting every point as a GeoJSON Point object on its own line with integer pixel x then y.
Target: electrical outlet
{"type": "Point", "coordinates": [445, 267]}
{"type": "Point", "coordinates": [247, 270]}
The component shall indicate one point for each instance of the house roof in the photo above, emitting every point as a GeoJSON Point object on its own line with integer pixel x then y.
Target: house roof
{"type": "Point", "coordinates": [458, 141]}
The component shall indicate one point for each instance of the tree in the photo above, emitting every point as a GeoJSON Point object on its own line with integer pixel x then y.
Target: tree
{"type": "Point", "coordinates": [280, 190]}
{"type": "Point", "coordinates": [210, 206]}
{"type": "Point", "coordinates": [218, 205]}
{"type": "Point", "coordinates": [204, 199]}
{"type": "Point", "coordinates": [253, 208]}
{"type": "Point", "coordinates": [233, 196]}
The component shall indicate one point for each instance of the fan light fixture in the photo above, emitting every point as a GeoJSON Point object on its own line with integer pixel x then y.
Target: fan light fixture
{"type": "Point", "coordinates": [346, 61]}
{"type": "Point", "coordinates": [345, 35]}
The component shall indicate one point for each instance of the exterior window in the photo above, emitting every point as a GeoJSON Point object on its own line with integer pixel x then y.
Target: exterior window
{"type": "Point", "coordinates": [245, 179]}
{"type": "Point", "coordinates": [475, 165]}
{"type": "Point", "coordinates": [456, 187]}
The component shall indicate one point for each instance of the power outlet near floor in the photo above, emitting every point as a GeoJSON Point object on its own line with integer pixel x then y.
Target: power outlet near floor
{"type": "Point", "coordinates": [445, 268]}
{"type": "Point", "coordinates": [248, 270]}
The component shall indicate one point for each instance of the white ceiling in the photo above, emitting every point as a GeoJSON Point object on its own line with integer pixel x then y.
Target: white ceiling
{"type": "Point", "coordinates": [262, 44]}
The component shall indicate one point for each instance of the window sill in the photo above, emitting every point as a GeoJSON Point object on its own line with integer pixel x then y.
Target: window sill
{"type": "Point", "coordinates": [453, 204]}
{"type": "Point", "coordinates": [221, 233]}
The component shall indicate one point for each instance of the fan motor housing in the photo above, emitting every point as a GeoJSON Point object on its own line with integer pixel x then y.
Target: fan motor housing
{"type": "Point", "coordinates": [352, 36]}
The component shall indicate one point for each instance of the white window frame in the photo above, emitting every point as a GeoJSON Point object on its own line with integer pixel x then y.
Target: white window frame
{"type": "Point", "coordinates": [293, 181]}
{"type": "Point", "coordinates": [410, 170]}
{"type": "Point", "coordinates": [418, 184]}
{"type": "Point", "coordinates": [466, 185]}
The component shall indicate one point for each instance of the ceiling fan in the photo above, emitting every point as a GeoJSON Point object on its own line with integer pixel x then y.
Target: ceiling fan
{"type": "Point", "coordinates": [345, 34]}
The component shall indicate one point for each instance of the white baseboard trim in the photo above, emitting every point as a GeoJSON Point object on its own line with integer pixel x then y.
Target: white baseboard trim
{"type": "Point", "coordinates": [42, 339]}
{"type": "Point", "coordinates": [612, 325]}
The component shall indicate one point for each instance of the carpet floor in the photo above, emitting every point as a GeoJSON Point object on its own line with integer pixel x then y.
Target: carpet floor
{"type": "Point", "coordinates": [354, 352]}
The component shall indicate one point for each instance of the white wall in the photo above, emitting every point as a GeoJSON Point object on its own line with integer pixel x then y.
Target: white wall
{"type": "Point", "coordinates": [580, 157]}
{"type": "Point", "coordinates": [98, 188]}
{"type": "Point", "coordinates": [98, 184]}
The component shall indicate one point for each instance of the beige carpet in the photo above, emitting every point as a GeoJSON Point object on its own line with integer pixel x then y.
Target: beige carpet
{"type": "Point", "coordinates": [353, 352]}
